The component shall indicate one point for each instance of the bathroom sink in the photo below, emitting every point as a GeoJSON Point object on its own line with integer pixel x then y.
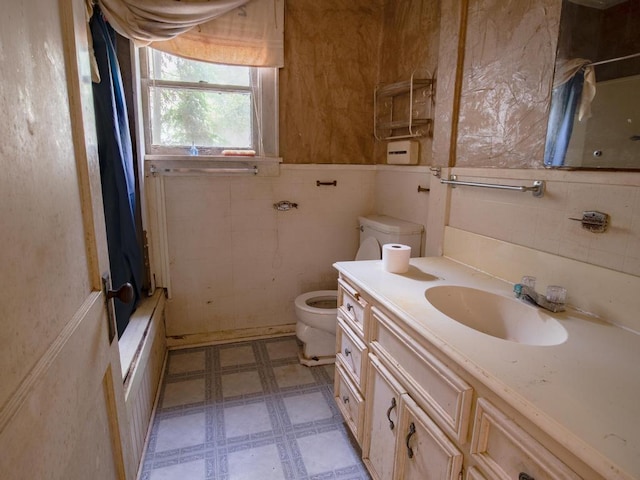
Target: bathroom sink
{"type": "Point", "coordinates": [495, 315]}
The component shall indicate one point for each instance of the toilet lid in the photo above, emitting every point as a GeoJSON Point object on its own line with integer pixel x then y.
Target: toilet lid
{"type": "Point", "coordinates": [369, 250]}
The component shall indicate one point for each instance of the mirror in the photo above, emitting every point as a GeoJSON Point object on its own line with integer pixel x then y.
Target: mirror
{"type": "Point", "coordinates": [594, 121]}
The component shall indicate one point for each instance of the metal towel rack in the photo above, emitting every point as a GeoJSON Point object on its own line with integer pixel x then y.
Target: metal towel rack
{"type": "Point", "coordinates": [537, 189]}
{"type": "Point", "coordinates": [213, 170]}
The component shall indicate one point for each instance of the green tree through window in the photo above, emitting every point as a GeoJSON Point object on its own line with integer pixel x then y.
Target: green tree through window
{"type": "Point", "coordinates": [199, 103]}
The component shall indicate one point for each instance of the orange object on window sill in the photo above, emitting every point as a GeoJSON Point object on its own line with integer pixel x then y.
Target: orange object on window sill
{"type": "Point", "coordinates": [239, 153]}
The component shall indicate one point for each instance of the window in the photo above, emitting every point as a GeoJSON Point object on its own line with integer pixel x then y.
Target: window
{"type": "Point", "coordinates": [210, 106]}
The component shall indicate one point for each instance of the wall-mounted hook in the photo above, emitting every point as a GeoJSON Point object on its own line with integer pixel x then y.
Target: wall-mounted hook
{"type": "Point", "coordinates": [435, 171]}
{"type": "Point", "coordinates": [596, 222]}
{"type": "Point", "coordinates": [284, 205]}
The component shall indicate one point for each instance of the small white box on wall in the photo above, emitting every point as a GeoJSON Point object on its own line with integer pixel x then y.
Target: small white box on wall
{"type": "Point", "coordinates": [403, 152]}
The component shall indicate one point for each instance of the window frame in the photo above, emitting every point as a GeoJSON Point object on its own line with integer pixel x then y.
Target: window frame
{"type": "Point", "coordinates": [263, 90]}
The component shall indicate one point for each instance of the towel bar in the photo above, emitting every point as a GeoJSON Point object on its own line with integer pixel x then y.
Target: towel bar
{"type": "Point", "coordinates": [537, 189]}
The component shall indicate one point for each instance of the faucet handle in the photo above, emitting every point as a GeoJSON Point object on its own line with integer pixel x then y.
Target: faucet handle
{"type": "Point", "coordinates": [517, 289]}
{"type": "Point", "coordinates": [556, 294]}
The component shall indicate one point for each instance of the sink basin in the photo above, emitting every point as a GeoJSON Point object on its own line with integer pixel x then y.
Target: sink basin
{"type": "Point", "coordinates": [495, 315]}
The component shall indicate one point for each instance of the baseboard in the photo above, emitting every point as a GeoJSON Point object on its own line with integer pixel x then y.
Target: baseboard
{"type": "Point", "coordinates": [228, 336]}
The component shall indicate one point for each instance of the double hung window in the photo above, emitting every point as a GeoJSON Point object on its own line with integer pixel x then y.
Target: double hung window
{"type": "Point", "coordinates": [212, 107]}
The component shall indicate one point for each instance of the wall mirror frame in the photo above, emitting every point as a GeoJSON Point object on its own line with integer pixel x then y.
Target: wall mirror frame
{"type": "Point", "coordinates": [594, 119]}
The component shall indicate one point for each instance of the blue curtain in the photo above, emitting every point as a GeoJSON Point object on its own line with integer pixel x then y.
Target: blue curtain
{"type": "Point", "coordinates": [564, 102]}
{"type": "Point", "coordinates": [116, 168]}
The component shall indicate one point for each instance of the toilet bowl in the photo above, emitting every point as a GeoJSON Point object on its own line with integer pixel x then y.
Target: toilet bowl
{"type": "Point", "coordinates": [317, 312]}
{"type": "Point", "coordinates": [313, 307]}
{"type": "Point", "coordinates": [316, 326]}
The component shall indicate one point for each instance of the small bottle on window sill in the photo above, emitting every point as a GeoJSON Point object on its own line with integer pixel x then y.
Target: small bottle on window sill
{"type": "Point", "coordinates": [193, 151]}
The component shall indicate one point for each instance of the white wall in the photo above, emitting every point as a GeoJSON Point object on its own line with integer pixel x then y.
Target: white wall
{"type": "Point", "coordinates": [544, 223]}
{"type": "Point", "coordinates": [236, 263]}
{"type": "Point", "coordinates": [396, 194]}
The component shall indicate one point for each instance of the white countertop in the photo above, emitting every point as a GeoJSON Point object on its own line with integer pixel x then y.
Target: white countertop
{"type": "Point", "coordinates": [585, 392]}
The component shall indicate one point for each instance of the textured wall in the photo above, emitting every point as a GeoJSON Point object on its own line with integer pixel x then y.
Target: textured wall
{"type": "Point", "coordinates": [508, 70]}
{"type": "Point", "coordinates": [236, 263]}
{"type": "Point", "coordinates": [410, 36]}
{"type": "Point", "coordinates": [326, 87]}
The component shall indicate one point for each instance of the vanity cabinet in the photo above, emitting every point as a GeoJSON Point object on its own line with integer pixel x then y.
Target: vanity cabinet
{"type": "Point", "coordinates": [417, 415]}
{"type": "Point", "coordinates": [401, 441]}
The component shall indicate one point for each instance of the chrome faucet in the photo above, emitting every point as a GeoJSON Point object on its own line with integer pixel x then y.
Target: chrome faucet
{"type": "Point", "coordinates": [529, 294]}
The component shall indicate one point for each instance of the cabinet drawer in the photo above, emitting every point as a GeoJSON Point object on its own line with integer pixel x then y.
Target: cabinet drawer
{"type": "Point", "coordinates": [349, 402]}
{"type": "Point", "coordinates": [354, 308]}
{"type": "Point", "coordinates": [505, 450]}
{"type": "Point", "coordinates": [352, 352]}
{"type": "Point", "coordinates": [447, 397]}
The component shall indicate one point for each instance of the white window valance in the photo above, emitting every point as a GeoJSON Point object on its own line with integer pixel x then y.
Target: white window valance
{"type": "Point", "coordinates": [235, 32]}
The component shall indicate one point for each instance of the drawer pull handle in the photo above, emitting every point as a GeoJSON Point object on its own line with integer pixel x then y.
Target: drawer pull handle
{"type": "Point", "coordinates": [524, 476]}
{"type": "Point", "coordinates": [345, 399]}
{"type": "Point", "coordinates": [347, 352]}
{"type": "Point", "coordinates": [412, 430]}
{"type": "Point", "coordinates": [393, 405]}
{"type": "Point", "coordinates": [349, 307]}
{"type": "Point", "coordinates": [356, 295]}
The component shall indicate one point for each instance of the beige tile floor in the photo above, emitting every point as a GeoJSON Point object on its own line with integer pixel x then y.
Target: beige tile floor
{"type": "Point", "coordinates": [248, 411]}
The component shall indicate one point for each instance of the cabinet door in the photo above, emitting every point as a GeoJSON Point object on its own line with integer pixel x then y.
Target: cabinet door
{"type": "Point", "coordinates": [423, 451]}
{"type": "Point", "coordinates": [381, 420]}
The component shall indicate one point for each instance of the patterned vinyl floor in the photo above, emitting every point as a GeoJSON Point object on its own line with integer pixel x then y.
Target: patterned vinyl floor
{"type": "Point", "coordinates": [248, 411]}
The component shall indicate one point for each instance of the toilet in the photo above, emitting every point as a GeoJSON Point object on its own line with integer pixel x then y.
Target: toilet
{"type": "Point", "coordinates": [317, 311]}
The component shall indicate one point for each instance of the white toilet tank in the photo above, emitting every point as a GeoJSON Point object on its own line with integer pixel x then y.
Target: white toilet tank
{"type": "Point", "coordinates": [387, 229]}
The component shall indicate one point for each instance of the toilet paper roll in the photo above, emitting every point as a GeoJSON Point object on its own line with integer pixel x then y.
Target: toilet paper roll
{"type": "Point", "coordinates": [395, 257]}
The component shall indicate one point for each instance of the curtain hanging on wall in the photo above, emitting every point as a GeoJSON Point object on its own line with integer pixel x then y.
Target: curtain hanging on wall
{"type": "Point", "coordinates": [145, 21]}
{"type": "Point", "coordinates": [234, 32]}
{"type": "Point", "coordinates": [116, 169]}
{"type": "Point", "coordinates": [251, 35]}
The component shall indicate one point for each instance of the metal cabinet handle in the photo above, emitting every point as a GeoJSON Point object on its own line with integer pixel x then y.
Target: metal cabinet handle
{"type": "Point", "coordinates": [393, 405]}
{"type": "Point", "coordinates": [345, 399]}
{"type": "Point", "coordinates": [412, 430]}
{"type": "Point", "coordinates": [347, 352]}
{"type": "Point", "coordinates": [349, 307]}
{"type": "Point", "coordinates": [524, 476]}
